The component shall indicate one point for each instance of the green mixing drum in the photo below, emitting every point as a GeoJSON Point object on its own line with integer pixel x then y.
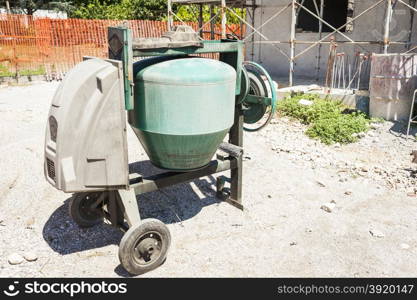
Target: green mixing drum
{"type": "Point", "coordinates": [183, 109]}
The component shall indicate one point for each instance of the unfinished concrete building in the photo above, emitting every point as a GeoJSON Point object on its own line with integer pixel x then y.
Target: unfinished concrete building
{"type": "Point", "coordinates": [334, 43]}
{"type": "Point", "coordinates": [296, 37]}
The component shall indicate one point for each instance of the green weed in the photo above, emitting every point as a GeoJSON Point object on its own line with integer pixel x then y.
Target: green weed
{"type": "Point", "coordinates": [329, 120]}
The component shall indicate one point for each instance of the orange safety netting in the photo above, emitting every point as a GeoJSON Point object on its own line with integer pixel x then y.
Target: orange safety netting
{"type": "Point", "coordinates": [30, 45]}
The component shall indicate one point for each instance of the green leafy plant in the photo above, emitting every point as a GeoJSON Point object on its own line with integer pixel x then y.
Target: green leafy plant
{"type": "Point", "coordinates": [5, 72]}
{"type": "Point", "coordinates": [143, 10]}
{"type": "Point", "coordinates": [32, 72]}
{"type": "Point", "coordinates": [307, 114]}
{"type": "Point", "coordinates": [338, 129]}
{"type": "Point", "coordinates": [329, 120]}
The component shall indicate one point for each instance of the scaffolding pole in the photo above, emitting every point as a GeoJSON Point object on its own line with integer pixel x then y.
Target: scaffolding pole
{"type": "Point", "coordinates": [387, 26]}
{"type": "Point", "coordinates": [296, 5]}
{"type": "Point", "coordinates": [410, 34]}
{"type": "Point", "coordinates": [320, 35]}
{"type": "Point", "coordinates": [212, 22]}
{"type": "Point", "coordinates": [292, 42]}
{"type": "Point", "coordinates": [169, 15]}
{"type": "Point", "coordinates": [200, 19]}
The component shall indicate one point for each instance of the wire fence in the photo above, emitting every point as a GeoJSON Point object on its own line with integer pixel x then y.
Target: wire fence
{"type": "Point", "coordinates": [43, 46]}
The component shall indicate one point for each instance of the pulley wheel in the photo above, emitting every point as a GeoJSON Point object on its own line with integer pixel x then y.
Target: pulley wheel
{"type": "Point", "coordinates": [258, 115]}
{"type": "Point", "coordinates": [244, 86]}
{"type": "Point", "coordinates": [253, 112]}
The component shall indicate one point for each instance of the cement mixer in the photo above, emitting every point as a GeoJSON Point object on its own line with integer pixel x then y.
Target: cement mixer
{"type": "Point", "coordinates": [181, 107]}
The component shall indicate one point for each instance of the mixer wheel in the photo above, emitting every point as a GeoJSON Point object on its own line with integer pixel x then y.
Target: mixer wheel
{"type": "Point", "coordinates": [144, 246]}
{"type": "Point", "coordinates": [82, 210]}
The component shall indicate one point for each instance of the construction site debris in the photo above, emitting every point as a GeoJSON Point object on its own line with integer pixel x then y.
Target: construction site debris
{"type": "Point", "coordinates": [329, 206]}
{"type": "Point", "coordinates": [376, 233]}
{"type": "Point", "coordinates": [404, 246]}
{"type": "Point", "coordinates": [15, 259]}
{"type": "Point", "coordinates": [30, 256]}
{"type": "Point", "coordinates": [305, 102]}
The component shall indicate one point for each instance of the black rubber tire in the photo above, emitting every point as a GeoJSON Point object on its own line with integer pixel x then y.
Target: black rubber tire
{"type": "Point", "coordinates": [128, 252]}
{"type": "Point", "coordinates": [78, 211]}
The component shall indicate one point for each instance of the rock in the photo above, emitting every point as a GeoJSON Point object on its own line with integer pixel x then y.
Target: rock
{"type": "Point", "coordinates": [337, 145]}
{"type": "Point", "coordinates": [321, 183]}
{"type": "Point", "coordinates": [293, 243]}
{"type": "Point", "coordinates": [305, 102]}
{"type": "Point", "coordinates": [404, 246]}
{"type": "Point", "coordinates": [348, 193]}
{"type": "Point", "coordinates": [361, 134]}
{"type": "Point", "coordinates": [15, 259]}
{"type": "Point", "coordinates": [30, 256]}
{"type": "Point", "coordinates": [375, 125]}
{"type": "Point", "coordinates": [30, 222]}
{"type": "Point", "coordinates": [357, 166]}
{"type": "Point", "coordinates": [376, 233]}
{"type": "Point", "coordinates": [411, 194]}
{"type": "Point", "coordinates": [269, 196]}
{"type": "Point", "coordinates": [329, 206]}
{"type": "Point", "coordinates": [246, 157]}
{"type": "Point", "coordinates": [313, 87]}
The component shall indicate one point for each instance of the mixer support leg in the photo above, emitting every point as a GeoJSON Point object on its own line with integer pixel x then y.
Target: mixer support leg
{"type": "Point", "coordinates": [236, 138]}
{"type": "Point", "coordinates": [130, 206]}
{"type": "Point", "coordinates": [235, 198]}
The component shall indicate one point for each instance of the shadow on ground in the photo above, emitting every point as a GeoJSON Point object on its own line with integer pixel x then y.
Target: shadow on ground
{"type": "Point", "coordinates": [399, 129]}
{"type": "Point", "coordinates": [170, 205]}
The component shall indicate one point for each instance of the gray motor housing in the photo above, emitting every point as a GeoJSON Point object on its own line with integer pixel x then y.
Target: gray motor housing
{"type": "Point", "coordinates": [85, 140]}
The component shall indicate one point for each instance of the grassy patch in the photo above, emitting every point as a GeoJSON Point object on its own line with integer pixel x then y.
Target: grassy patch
{"type": "Point", "coordinates": [330, 121]}
{"type": "Point", "coordinates": [32, 72]}
{"type": "Point", "coordinates": [4, 72]}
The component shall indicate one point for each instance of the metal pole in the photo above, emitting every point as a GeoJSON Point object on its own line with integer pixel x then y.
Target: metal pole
{"type": "Point", "coordinates": [320, 36]}
{"type": "Point", "coordinates": [241, 23]}
{"type": "Point", "coordinates": [223, 14]}
{"type": "Point", "coordinates": [323, 21]}
{"type": "Point", "coordinates": [170, 22]}
{"type": "Point", "coordinates": [387, 25]}
{"type": "Point", "coordinates": [292, 42]}
{"type": "Point", "coordinates": [212, 22]}
{"type": "Point", "coordinates": [410, 34]}
{"type": "Point", "coordinates": [200, 19]}
{"type": "Point", "coordinates": [267, 21]}
{"type": "Point", "coordinates": [8, 7]}
{"type": "Point", "coordinates": [331, 33]}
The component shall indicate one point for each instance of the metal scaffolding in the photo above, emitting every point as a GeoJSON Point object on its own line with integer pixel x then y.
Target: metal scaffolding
{"type": "Point", "coordinates": [224, 5]}
{"type": "Point", "coordinates": [296, 6]}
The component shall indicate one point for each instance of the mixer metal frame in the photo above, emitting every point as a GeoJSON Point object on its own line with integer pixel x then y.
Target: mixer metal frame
{"type": "Point", "coordinates": [124, 205]}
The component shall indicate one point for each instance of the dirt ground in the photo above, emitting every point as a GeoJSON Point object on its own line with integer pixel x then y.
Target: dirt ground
{"type": "Point", "coordinates": [282, 232]}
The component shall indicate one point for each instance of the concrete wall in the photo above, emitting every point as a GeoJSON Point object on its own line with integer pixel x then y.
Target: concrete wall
{"type": "Point", "coordinates": [369, 27]}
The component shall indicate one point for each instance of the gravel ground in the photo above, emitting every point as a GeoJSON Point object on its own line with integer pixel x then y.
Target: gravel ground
{"type": "Point", "coordinates": [289, 183]}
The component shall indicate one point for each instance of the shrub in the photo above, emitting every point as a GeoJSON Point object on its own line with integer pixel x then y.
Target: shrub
{"type": "Point", "coordinates": [327, 118]}
{"type": "Point", "coordinates": [338, 129]}
{"type": "Point", "coordinates": [29, 72]}
{"type": "Point", "coordinates": [5, 72]}
{"type": "Point", "coordinates": [308, 114]}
